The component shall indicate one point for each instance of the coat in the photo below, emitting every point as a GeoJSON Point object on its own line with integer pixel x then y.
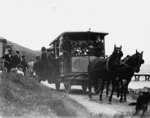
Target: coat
{"type": "Point", "coordinates": [8, 59]}
{"type": "Point", "coordinates": [16, 60]}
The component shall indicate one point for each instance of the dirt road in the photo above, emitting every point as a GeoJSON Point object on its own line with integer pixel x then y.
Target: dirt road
{"type": "Point", "coordinates": [103, 108]}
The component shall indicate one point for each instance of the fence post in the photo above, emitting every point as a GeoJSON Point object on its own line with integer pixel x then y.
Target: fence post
{"type": "Point", "coordinates": [137, 77]}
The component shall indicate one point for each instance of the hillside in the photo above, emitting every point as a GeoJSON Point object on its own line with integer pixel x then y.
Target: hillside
{"type": "Point", "coordinates": [30, 54]}
{"type": "Point", "coordinates": [24, 97]}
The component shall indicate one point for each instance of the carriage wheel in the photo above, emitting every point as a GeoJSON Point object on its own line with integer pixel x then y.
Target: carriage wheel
{"type": "Point", "coordinates": [84, 87]}
{"type": "Point", "coordinates": [67, 87]}
{"type": "Point", "coordinates": [57, 85]}
{"type": "Point", "coordinates": [97, 89]}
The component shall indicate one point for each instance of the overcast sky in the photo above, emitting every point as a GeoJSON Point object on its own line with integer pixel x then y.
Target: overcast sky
{"type": "Point", "coordinates": [35, 23]}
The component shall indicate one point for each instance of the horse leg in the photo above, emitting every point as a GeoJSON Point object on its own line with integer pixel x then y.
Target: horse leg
{"type": "Point", "coordinates": [125, 92]}
{"type": "Point", "coordinates": [90, 87]}
{"type": "Point", "coordinates": [107, 91]}
{"type": "Point", "coordinates": [118, 89]}
{"type": "Point", "coordinates": [122, 91]}
{"type": "Point", "coordinates": [101, 90]}
{"type": "Point", "coordinates": [112, 91]}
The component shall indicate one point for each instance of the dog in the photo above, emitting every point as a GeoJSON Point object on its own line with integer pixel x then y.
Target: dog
{"type": "Point", "coordinates": [142, 103]}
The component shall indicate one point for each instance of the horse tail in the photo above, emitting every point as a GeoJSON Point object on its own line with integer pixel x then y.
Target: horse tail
{"type": "Point", "coordinates": [132, 104]}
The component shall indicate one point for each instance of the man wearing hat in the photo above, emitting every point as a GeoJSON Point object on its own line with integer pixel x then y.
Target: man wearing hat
{"type": "Point", "coordinates": [16, 58]}
{"type": "Point", "coordinates": [8, 59]}
{"type": "Point", "coordinates": [36, 66]}
{"type": "Point", "coordinates": [44, 62]}
{"type": "Point", "coordinates": [24, 64]}
{"type": "Point", "coordinates": [43, 54]}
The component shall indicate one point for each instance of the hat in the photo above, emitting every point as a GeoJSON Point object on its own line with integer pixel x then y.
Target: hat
{"type": "Point", "coordinates": [43, 49]}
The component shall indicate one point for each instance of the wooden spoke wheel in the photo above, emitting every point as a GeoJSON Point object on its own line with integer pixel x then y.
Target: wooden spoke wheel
{"type": "Point", "coordinates": [67, 87]}
{"type": "Point", "coordinates": [57, 85]}
{"type": "Point", "coordinates": [84, 86]}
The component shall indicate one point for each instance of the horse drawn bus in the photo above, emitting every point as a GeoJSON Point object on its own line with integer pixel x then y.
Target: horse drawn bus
{"type": "Point", "coordinates": [74, 51]}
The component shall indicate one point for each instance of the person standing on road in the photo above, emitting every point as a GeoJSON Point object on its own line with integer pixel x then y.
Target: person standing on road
{"type": "Point", "coordinates": [44, 67]}
{"type": "Point", "coordinates": [24, 64]}
{"type": "Point", "coordinates": [16, 58]}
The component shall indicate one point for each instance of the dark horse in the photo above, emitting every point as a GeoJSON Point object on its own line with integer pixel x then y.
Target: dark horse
{"type": "Point", "coordinates": [128, 67]}
{"type": "Point", "coordinates": [102, 70]}
{"type": "Point", "coordinates": [46, 69]}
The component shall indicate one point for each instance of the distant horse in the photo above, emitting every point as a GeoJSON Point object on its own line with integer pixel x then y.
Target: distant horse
{"type": "Point", "coordinates": [129, 66]}
{"type": "Point", "coordinates": [52, 67]}
{"type": "Point", "coordinates": [46, 69]}
{"type": "Point", "coordinates": [39, 70]}
{"type": "Point", "coordinates": [102, 70]}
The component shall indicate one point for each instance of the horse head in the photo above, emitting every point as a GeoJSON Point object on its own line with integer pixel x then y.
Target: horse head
{"type": "Point", "coordinates": [115, 59]}
{"type": "Point", "coordinates": [138, 61]}
{"type": "Point", "coordinates": [116, 55]}
{"type": "Point", "coordinates": [135, 61]}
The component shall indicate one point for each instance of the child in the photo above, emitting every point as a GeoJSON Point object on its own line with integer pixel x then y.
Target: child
{"type": "Point", "coordinates": [20, 69]}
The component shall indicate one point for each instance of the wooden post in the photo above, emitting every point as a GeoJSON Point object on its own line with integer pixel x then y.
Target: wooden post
{"type": "Point", "coordinates": [147, 78]}
{"type": "Point", "coordinates": [137, 77]}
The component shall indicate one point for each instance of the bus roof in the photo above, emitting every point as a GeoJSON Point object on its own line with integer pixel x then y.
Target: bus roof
{"type": "Point", "coordinates": [80, 33]}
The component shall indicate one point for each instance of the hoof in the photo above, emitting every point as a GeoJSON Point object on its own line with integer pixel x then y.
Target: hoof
{"type": "Point", "coordinates": [117, 96]}
{"type": "Point", "coordinates": [90, 98]}
{"type": "Point", "coordinates": [100, 99]}
{"type": "Point", "coordinates": [109, 102]}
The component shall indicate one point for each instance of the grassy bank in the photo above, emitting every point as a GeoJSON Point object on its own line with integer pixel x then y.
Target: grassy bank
{"type": "Point", "coordinates": [24, 97]}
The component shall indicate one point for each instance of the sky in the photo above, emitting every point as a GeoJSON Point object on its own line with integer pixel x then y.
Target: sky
{"type": "Point", "coordinates": [35, 23]}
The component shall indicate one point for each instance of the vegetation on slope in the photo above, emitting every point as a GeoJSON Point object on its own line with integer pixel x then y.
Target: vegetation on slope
{"type": "Point", "coordinates": [24, 97]}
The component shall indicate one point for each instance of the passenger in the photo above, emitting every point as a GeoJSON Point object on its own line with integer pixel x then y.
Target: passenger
{"type": "Point", "coordinates": [24, 64]}
{"type": "Point", "coordinates": [43, 54]}
{"type": "Point", "coordinates": [16, 58]}
{"type": "Point", "coordinates": [52, 66]}
{"type": "Point", "coordinates": [44, 67]}
{"type": "Point", "coordinates": [20, 69]}
{"type": "Point", "coordinates": [67, 46]}
{"type": "Point", "coordinates": [36, 66]}
{"type": "Point", "coordinates": [8, 59]}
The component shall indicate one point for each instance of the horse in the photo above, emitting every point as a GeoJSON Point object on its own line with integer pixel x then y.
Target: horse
{"type": "Point", "coordinates": [129, 65]}
{"type": "Point", "coordinates": [101, 70]}
{"type": "Point", "coordinates": [46, 69]}
{"type": "Point", "coordinates": [52, 67]}
{"type": "Point", "coordinates": [38, 68]}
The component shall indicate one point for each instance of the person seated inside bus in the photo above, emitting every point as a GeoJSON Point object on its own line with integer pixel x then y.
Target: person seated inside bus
{"type": "Point", "coordinates": [80, 48]}
{"type": "Point", "coordinates": [95, 47]}
{"type": "Point", "coordinates": [66, 46]}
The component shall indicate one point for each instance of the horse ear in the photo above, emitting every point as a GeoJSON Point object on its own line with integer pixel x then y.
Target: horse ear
{"type": "Point", "coordinates": [121, 47]}
{"type": "Point", "coordinates": [136, 51]}
{"type": "Point", "coordinates": [115, 46]}
{"type": "Point", "coordinates": [142, 52]}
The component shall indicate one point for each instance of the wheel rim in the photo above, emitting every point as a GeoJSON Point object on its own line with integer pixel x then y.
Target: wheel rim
{"type": "Point", "coordinates": [84, 87]}
{"type": "Point", "coordinates": [67, 87]}
{"type": "Point", "coordinates": [57, 86]}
